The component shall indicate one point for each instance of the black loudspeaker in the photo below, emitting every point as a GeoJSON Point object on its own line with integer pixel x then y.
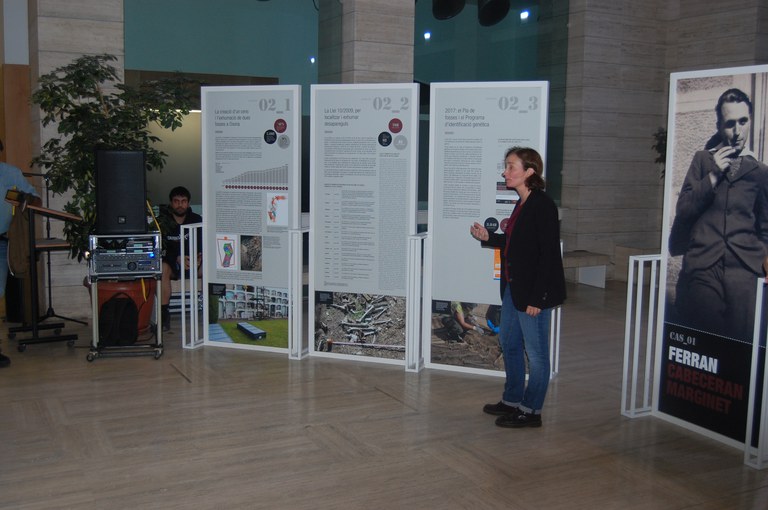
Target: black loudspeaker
{"type": "Point", "coordinates": [446, 9]}
{"type": "Point", "coordinates": [490, 12]}
{"type": "Point", "coordinates": [120, 192]}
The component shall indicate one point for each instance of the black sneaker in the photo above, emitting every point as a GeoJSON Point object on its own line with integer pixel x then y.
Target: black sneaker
{"type": "Point", "coordinates": [500, 409]}
{"type": "Point", "coordinates": [519, 420]}
{"type": "Point", "coordinates": [4, 360]}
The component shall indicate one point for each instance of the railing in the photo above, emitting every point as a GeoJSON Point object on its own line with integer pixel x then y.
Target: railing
{"type": "Point", "coordinates": [190, 325]}
{"type": "Point", "coordinates": [640, 334]}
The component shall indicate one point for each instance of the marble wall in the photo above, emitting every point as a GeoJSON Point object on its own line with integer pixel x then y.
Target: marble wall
{"type": "Point", "coordinates": [620, 54]}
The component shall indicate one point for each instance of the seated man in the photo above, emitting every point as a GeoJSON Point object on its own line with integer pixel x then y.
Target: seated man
{"type": "Point", "coordinates": [176, 213]}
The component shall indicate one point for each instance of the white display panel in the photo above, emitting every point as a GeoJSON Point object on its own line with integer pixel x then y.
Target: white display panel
{"type": "Point", "coordinates": [702, 373]}
{"type": "Point", "coordinates": [472, 125]}
{"type": "Point", "coordinates": [251, 184]}
{"type": "Point", "coordinates": [363, 176]}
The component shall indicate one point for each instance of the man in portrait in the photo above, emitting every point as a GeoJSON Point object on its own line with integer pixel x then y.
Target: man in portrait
{"type": "Point", "coordinates": [721, 226]}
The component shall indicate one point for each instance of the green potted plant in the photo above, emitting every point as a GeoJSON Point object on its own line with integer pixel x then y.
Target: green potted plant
{"type": "Point", "coordinates": [94, 110]}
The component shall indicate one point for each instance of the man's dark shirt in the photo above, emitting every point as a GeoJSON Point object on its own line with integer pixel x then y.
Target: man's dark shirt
{"type": "Point", "coordinates": [172, 233]}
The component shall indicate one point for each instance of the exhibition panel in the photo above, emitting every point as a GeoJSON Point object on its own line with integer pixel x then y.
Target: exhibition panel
{"type": "Point", "coordinates": [363, 176]}
{"type": "Point", "coordinates": [251, 183]}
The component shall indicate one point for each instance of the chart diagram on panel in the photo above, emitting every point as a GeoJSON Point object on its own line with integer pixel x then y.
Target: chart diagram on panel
{"type": "Point", "coordinates": [275, 179]}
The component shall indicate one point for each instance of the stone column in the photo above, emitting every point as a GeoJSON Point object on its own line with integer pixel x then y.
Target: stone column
{"type": "Point", "coordinates": [615, 100]}
{"type": "Point", "coordinates": [366, 41]}
{"type": "Point", "coordinates": [59, 32]}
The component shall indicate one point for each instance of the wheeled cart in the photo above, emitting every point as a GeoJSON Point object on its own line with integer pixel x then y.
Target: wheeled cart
{"type": "Point", "coordinates": [125, 259]}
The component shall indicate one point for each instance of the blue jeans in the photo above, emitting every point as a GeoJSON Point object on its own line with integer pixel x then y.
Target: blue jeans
{"type": "Point", "coordinates": [521, 334]}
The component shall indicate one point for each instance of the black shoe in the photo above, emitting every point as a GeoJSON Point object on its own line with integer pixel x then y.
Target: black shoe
{"type": "Point", "coordinates": [519, 420]}
{"type": "Point", "coordinates": [4, 361]}
{"type": "Point", "coordinates": [500, 409]}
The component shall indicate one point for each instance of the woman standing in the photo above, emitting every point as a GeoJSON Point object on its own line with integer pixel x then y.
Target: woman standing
{"type": "Point", "coordinates": [532, 283]}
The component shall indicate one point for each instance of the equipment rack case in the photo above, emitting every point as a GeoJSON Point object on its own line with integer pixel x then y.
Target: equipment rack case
{"type": "Point", "coordinates": [95, 275]}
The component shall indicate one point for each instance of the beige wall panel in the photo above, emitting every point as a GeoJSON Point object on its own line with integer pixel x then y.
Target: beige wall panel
{"type": "Point", "coordinates": [617, 27]}
{"type": "Point", "coordinates": [331, 61]}
{"type": "Point", "coordinates": [606, 222]}
{"type": "Point", "coordinates": [330, 35]}
{"type": "Point", "coordinates": [627, 8]}
{"type": "Point", "coordinates": [576, 49]}
{"type": "Point", "coordinates": [559, 73]}
{"type": "Point", "coordinates": [370, 56]}
{"type": "Point", "coordinates": [554, 51]}
{"type": "Point", "coordinates": [719, 28]}
{"type": "Point", "coordinates": [613, 51]}
{"type": "Point", "coordinates": [348, 29]}
{"type": "Point", "coordinates": [705, 55]}
{"type": "Point", "coordinates": [61, 259]}
{"type": "Point", "coordinates": [691, 8]}
{"type": "Point", "coordinates": [50, 60]}
{"type": "Point", "coordinates": [599, 243]}
{"type": "Point", "coordinates": [599, 197]}
{"type": "Point", "coordinates": [614, 148]}
{"type": "Point", "coordinates": [405, 8]}
{"type": "Point", "coordinates": [628, 173]}
{"type": "Point", "coordinates": [328, 9]}
{"type": "Point", "coordinates": [618, 100]}
{"type": "Point", "coordinates": [571, 177]}
{"type": "Point", "coordinates": [695, 9]}
{"type": "Point", "coordinates": [761, 41]}
{"type": "Point", "coordinates": [602, 74]}
{"type": "Point", "coordinates": [103, 10]}
{"type": "Point", "coordinates": [70, 300]}
{"type": "Point", "coordinates": [571, 190]}
{"type": "Point", "coordinates": [384, 28]}
{"type": "Point", "coordinates": [346, 77]}
{"type": "Point", "coordinates": [377, 77]}
{"type": "Point", "coordinates": [635, 125]}
{"type": "Point", "coordinates": [615, 198]}
{"type": "Point", "coordinates": [347, 57]}
{"type": "Point", "coordinates": [576, 24]}
{"type": "Point", "coordinates": [80, 36]}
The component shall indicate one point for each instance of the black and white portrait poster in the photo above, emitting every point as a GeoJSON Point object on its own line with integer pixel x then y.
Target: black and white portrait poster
{"type": "Point", "coordinates": [715, 241]}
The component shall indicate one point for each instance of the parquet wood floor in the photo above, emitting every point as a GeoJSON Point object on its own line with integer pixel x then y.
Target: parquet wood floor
{"type": "Point", "coordinates": [229, 429]}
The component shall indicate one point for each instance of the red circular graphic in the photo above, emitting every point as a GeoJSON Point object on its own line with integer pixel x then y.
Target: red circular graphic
{"type": "Point", "coordinates": [281, 125]}
{"type": "Point", "coordinates": [395, 125]}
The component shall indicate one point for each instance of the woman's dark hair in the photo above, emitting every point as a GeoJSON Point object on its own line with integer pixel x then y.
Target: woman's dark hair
{"type": "Point", "coordinates": [530, 159]}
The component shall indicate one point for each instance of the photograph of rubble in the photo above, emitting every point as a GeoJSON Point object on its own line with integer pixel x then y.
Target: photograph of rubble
{"type": "Point", "coordinates": [360, 324]}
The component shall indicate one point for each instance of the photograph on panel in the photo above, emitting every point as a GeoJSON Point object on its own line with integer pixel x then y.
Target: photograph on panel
{"type": "Point", "coordinates": [466, 334]}
{"type": "Point", "coordinates": [360, 324]}
{"type": "Point", "coordinates": [248, 315]}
